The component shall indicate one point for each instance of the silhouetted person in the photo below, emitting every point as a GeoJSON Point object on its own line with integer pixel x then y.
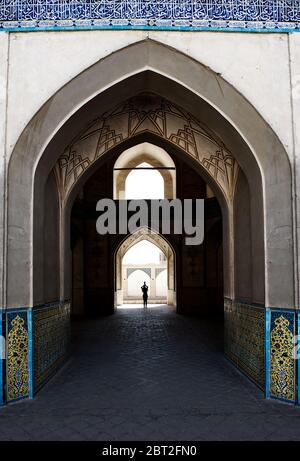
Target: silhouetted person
{"type": "Point", "coordinates": [145, 294]}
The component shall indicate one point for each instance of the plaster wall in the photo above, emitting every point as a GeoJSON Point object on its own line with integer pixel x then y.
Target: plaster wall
{"type": "Point", "coordinates": [257, 65]}
{"type": "Point", "coordinates": [242, 242]}
{"type": "Point", "coordinates": [294, 47]}
{"type": "Point", "coordinates": [51, 243]}
{"type": "Point", "coordinates": [134, 278]}
{"type": "Point", "coordinates": [3, 106]}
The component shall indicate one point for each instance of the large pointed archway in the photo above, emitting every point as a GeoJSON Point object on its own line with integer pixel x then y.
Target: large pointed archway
{"type": "Point", "coordinates": [99, 250]}
{"type": "Point", "coordinates": [146, 234]}
{"type": "Point", "coordinates": [208, 122]}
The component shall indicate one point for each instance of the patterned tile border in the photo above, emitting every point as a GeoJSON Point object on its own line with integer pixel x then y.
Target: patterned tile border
{"type": "Point", "coordinates": [267, 352]}
{"type": "Point", "coordinates": [238, 15]}
{"type": "Point", "coordinates": [2, 352]}
{"type": "Point", "coordinates": [244, 331]}
{"type": "Point", "coordinates": [51, 339]}
{"type": "Point", "coordinates": [281, 367]}
{"type": "Point", "coordinates": [282, 372]}
{"type": "Point", "coordinates": [258, 341]}
{"type": "Point", "coordinates": [26, 330]}
{"type": "Point", "coordinates": [194, 26]}
{"type": "Point", "coordinates": [18, 354]}
{"type": "Point", "coordinates": [298, 361]}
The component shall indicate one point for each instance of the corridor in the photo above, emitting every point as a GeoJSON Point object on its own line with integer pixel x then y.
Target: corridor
{"type": "Point", "coordinates": [149, 375]}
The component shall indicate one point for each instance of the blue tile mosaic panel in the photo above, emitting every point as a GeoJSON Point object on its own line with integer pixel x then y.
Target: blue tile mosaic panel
{"type": "Point", "coordinates": [17, 355]}
{"type": "Point", "coordinates": [193, 14]}
{"type": "Point", "coordinates": [244, 334]}
{"type": "Point", "coordinates": [2, 356]}
{"type": "Point", "coordinates": [51, 340]}
{"type": "Point", "coordinates": [296, 354]}
{"type": "Point", "coordinates": [282, 362]}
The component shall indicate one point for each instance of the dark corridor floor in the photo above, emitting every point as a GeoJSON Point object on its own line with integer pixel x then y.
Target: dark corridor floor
{"type": "Point", "coordinates": [149, 375]}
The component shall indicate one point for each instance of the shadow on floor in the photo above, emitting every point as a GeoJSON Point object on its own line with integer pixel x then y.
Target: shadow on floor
{"type": "Point", "coordinates": [149, 375]}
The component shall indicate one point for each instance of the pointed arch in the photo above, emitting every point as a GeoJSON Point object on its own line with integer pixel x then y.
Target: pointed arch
{"type": "Point", "coordinates": [199, 91]}
{"type": "Point", "coordinates": [153, 155]}
{"type": "Point", "coordinates": [150, 235]}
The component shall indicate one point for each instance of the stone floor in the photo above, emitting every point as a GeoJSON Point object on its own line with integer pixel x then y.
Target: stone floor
{"type": "Point", "coordinates": [149, 375]}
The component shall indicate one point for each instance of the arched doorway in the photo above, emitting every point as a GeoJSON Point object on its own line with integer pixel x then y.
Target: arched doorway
{"type": "Point", "coordinates": [161, 293]}
{"type": "Point", "coordinates": [223, 137]}
{"type": "Point", "coordinates": [156, 161]}
{"type": "Point", "coordinates": [199, 269]}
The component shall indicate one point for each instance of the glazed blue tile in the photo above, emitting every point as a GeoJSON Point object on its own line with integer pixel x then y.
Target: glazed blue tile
{"type": "Point", "coordinates": [51, 339]}
{"type": "Point", "coordinates": [297, 345]}
{"type": "Point", "coordinates": [290, 316]}
{"type": "Point", "coordinates": [17, 355]}
{"type": "Point", "coordinates": [244, 334]}
{"type": "Point", "coordinates": [282, 370]}
{"type": "Point", "coordinates": [267, 351]}
{"type": "Point", "coordinates": [276, 13]}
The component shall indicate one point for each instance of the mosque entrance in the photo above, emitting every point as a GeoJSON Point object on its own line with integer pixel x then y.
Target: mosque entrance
{"type": "Point", "coordinates": [206, 142]}
{"type": "Point", "coordinates": [187, 277]}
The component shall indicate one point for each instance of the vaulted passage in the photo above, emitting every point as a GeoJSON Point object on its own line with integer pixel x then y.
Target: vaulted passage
{"type": "Point", "coordinates": [58, 265]}
{"type": "Point", "coordinates": [195, 272]}
{"type": "Point", "coordinates": [148, 375]}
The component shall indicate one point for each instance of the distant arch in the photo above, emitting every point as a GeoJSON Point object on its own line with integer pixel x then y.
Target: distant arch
{"type": "Point", "coordinates": [160, 242]}
{"type": "Point", "coordinates": [148, 65]}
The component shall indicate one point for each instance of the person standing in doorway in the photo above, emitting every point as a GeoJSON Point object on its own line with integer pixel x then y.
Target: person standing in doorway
{"type": "Point", "coordinates": [145, 293]}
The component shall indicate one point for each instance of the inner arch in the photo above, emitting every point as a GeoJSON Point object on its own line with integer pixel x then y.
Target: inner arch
{"type": "Point", "coordinates": [68, 119]}
{"type": "Point", "coordinates": [155, 157]}
{"type": "Point", "coordinates": [168, 264]}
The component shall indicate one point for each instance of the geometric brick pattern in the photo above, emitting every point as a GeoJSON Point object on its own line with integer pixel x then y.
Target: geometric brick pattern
{"type": "Point", "coordinates": [244, 332]}
{"type": "Point", "coordinates": [152, 114]}
{"type": "Point", "coordinates": [51, 340]}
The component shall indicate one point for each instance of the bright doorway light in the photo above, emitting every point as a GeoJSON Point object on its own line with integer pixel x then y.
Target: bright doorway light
{"type": "Point", "coordinates": [144, 262]}
{"type": "Point", "coordinates": [143, 252]}
{"type": "Point", "coordinates": [144, 184]}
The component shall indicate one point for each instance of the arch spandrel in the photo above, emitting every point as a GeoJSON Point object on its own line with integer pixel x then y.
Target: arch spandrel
{"type": "Point", "coordinates": [152, 66]}
{"type": "Point", "coordinates": [144, 234]}
{"type": "Point", "coordinates": [147, 113]}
